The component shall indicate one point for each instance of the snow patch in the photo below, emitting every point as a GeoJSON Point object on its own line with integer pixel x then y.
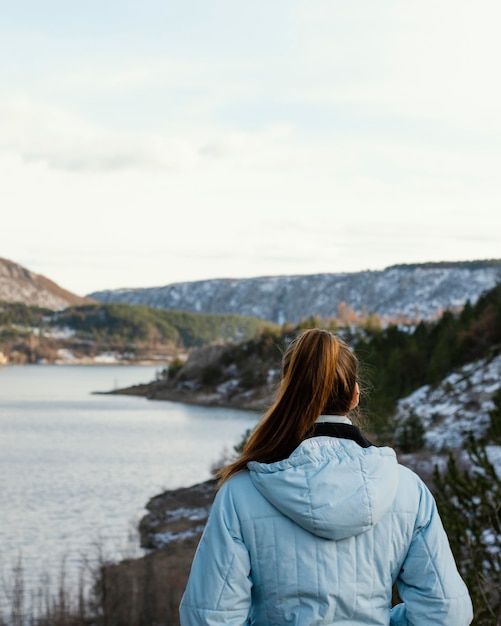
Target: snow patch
{"type": "Point", "coordinates": [458, 405]}
{"type": "Point", "coordinates": [160, 540]}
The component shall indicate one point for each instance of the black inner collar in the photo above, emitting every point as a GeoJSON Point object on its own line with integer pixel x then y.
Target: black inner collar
{"type": "Point", "coordinates": [343, 431]}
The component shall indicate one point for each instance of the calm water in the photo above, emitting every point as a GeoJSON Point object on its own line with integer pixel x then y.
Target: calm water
{"type": "Point", "coordinates": [76, 469]}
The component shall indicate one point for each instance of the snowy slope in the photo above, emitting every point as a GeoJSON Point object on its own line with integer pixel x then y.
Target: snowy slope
{"type": "Point", "coordinates": [414, 292]}
{"type": "Point", "coordinates": [459, 404]}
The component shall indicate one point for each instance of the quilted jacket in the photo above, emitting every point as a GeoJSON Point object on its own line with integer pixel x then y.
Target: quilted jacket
{"type": "Point", "coordinates": [318, 539]}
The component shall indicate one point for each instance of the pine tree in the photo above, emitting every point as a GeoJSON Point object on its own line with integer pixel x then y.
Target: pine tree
{"type": "Point", "coordinates": [410, 435]}
{"type": "Point", "coordinates": [495, 418]}
{"type": "Point", "coordinates": [470, 506]}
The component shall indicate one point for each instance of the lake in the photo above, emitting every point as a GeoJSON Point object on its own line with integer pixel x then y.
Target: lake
{"type": "Point", "coordinates": [77, 469]}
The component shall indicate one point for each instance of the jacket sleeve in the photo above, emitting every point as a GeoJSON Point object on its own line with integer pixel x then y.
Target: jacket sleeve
{"type": "Point", "coordinates": [219, 586]}
{"type": "Point", "coordinates": [429, 583]}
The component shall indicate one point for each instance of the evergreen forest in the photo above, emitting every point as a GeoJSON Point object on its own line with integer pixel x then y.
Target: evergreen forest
{"type": "Point", "coordinates": [123, 328]}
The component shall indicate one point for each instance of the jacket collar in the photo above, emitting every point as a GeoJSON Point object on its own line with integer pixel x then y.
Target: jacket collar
{"type": "Point", "coordinates": [341, 430]}
{"type": "Point", "coordinates": [334, 419]}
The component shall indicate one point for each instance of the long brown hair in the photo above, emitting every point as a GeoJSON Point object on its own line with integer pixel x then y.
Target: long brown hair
{"type": "Point", "coordinates": [319, 375]}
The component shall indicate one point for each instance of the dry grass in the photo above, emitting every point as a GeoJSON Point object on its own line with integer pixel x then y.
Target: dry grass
{"type": "Point", "coordinates": [134, 592]}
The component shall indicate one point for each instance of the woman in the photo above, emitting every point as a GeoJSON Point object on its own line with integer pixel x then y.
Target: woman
{"type": "Point", "coordinates": [312, 524]}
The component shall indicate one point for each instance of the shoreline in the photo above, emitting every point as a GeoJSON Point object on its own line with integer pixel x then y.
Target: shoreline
{"type": "Point", "coordinates": [89, 361]}
{"type": "Point", "coordinates": [157, 391]}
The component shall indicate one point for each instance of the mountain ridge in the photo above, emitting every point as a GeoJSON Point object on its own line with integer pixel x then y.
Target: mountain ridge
{"type": "Point", "coordinates": [405, 292]}
{"type": "Point", "coordinates": [414, 292]}
{"type": "Point", "coordinates": [19, 284]}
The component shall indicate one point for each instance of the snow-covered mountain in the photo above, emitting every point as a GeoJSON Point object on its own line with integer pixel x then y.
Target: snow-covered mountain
{"type": "Point", "coordinates": [410, 291]}
{"type": "Point", "coordinates": [18, 284]}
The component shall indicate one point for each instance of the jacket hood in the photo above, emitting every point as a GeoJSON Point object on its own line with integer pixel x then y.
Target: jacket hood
{"type": "Point", "coordinates": [331, 487]}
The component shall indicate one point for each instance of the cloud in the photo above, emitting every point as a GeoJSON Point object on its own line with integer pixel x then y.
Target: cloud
{"type": "Point", "coordinates": [61, 140]}
{"type": "Point", "coordinates": [64, 141]}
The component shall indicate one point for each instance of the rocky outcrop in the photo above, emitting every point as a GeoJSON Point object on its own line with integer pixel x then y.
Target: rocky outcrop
{"type": "Point", "coordinates": [176, 515]}
{"type": "Point", "coordinates": [208, 379]}
{"type": "Point", "coordinates": [148, 590]}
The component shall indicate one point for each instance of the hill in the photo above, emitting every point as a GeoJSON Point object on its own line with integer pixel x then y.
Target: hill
{"type": "Point", "coordinates": [112, 333]}
{"type": "Point", "coordinates": [410, 292]}
{"type": "Point", "coordinates": [18, 284]}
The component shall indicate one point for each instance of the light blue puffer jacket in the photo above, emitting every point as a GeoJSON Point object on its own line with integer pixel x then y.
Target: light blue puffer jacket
{"type": "Point", "coordinates": [318, 539]}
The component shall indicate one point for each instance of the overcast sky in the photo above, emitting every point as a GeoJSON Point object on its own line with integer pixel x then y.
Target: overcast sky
{"type": "Point", "coordinates": [146, 143]}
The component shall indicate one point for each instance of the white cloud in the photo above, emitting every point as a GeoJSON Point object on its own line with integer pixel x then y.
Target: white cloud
{"type": "Point", "coordinates": [61, 140]}
{"type": "Point", "coordinates": [65, 141]}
